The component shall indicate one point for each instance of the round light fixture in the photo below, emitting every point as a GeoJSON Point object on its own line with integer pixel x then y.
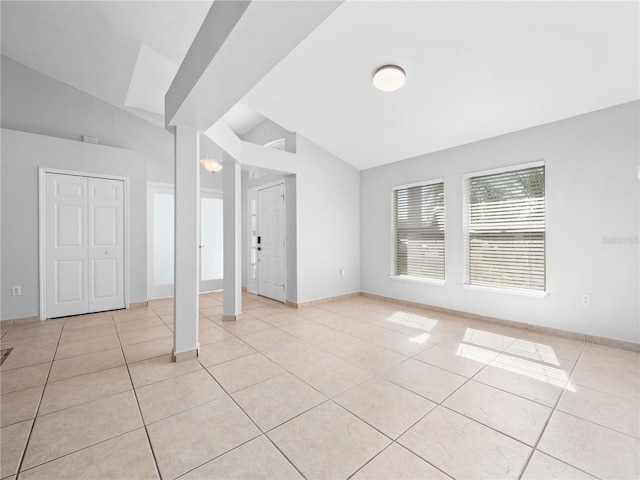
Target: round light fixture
{"type": "Point", "coordinates": [389, 78]}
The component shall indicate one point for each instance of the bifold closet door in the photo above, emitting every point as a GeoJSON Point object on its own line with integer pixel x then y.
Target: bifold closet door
{"type": "Point", "coordinates": [84, 244]}
{"type": "Point", "coordinates": [66, 245]}
{"type": "Point", "coordinates": [105, 244]}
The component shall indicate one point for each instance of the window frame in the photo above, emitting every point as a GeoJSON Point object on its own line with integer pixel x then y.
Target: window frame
{"type": "Point", "coordinates": [392, 267]}
{"type": "Point", "coordinates": [465, 232]}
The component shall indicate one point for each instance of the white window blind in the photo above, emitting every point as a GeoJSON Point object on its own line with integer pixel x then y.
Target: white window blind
{"type": "Point", "coordinates": [505, 237]}
{"type": "Point", "coordinates": [418, 216]}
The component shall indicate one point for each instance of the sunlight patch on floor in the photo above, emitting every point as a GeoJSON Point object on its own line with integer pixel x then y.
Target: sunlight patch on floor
{"type": "Point", "coordinates": [475, 341]}
{"type": "Point", "coordinates": [537, 371]}
{"type": "Point", "coordinates": [474, 353]}
{"type": "Point", "coordinates": [420, 338]}
{"type": "Point", "coordinates": [535, 351]}
{"type": "Point", "coordinates": [418, 322]}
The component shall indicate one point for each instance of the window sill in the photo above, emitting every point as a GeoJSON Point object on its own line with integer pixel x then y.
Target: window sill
{"type": "Point", "coordinates": [428, 281]}
{"type": "Point", "coordinates": [508, 291]}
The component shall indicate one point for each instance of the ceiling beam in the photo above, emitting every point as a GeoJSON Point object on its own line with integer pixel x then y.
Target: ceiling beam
{"type": "Point", "coordinates": [238, 44]}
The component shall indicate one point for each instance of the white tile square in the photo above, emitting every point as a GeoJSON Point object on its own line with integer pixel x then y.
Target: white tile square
{"type": "Point", "coordinates": [385, 406]}
{"type": "Point", "coordinates": [276, 400]}
{"type": "Point", "coordinates": [596, 450]}
{"type": "Point", "coordinates": [428, 381]}
{"type": "Point", "coordinates": [464, 448]}
{"type": "Point", "coordinates": [515, 416]}
{"type": "Point", "coordinates": [328, 442]}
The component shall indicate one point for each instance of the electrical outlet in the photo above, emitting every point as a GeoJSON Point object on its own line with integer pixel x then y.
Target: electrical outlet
{"type": "Point", "coordinates": [342, 272]}
{"type": "Point", "coordinates": [16, 291]}
{"type": "Point", "coordinates": [585, 299]}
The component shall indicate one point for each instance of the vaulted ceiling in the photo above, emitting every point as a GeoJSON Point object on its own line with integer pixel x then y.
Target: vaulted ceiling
{"type": "Point", "coordinates": [474, 69]}
{"type": "Point", "coordinates": [123, 52]}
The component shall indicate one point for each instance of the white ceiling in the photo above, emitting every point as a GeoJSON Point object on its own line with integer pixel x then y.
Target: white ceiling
{"type": "Point", "coordinates": [94, 45]}
{"type": "Point", "coordinates": [152, 75]}
{"type": "Point", "coordinates": [242, 119]}
{"type": "Point", "coordinates": [474, 69]}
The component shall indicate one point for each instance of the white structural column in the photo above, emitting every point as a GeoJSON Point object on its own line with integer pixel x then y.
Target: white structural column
{"type": "Point", "coordinates": [231, 197]}
{"type": "Point", "coordinates": [211, 79]}
{"type": "Point", "coordinates": [187, 238]}
{"type": "Point", "coordinates": [208, 83]}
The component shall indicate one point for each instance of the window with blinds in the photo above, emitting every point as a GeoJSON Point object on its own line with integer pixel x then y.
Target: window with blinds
{"type": "Point", "coordinates": [505, 229]}
{"type": "Point", "coordinates": [418, 230]}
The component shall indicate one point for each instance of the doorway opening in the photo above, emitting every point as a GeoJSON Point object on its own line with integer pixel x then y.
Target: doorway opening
{"type": "Point", "coordinates": [160, 240]}
{"type": "Point", "coordinates": [267, 209]}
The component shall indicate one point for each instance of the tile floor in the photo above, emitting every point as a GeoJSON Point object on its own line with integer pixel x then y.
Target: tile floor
{"type": "Point", "coordinates": [360, 388]}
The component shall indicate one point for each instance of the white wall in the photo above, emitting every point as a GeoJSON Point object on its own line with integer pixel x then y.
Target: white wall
{"type": "Point", "coordinates": [22, 154]}
{"type": "Point", "coordinates": [327, 216]}
{"type": "Point", "coordinates": [33, 102]}
{"type": "Point", "coordinates": [592, 192]}
{"type": "Point", "coordinates": [291, 240]}
{"type": "Point", "coordinates": [328, 224]}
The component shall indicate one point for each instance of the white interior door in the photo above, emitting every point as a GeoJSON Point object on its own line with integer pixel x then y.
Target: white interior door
{"type": "Point", "coordinates": [271, 232]}
{"type": "Point", "coordinates": [84, 244]}
{"type": "Point", "coordinates": [66, 245]}
{"type": "Point", "coordinates": [106, 244]}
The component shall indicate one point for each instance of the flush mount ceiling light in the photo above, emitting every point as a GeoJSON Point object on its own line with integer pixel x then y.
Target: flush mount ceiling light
{"type": "Point", "coordinates": [211, 165]}
{"type": "Point", "coordinates": [389, 78]}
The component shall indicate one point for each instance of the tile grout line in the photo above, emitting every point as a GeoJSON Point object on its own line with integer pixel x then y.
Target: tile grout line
{"type": "Point", "coordinates": [637, 439]}
{"type": "Point", "coordinates": [441, 404]}
{"type": "Point", "coordinates": [256, 425]}
{"type": "Point", "coordinates": [75, 451]}
{"type": "Point", "coordinates": [368, 341]}
{"type": "Point", "coordinates": [499, 352]}
{"type": "Point", "coordinates": [105, 440]}
{"type": "Point", "coordinates": [469, 379]}
{"type": "Point", "coordinates": [135, 393]}
{"type": "Point", "coordinates": [42, 396]}
{"type": "Point", "coordinates": [344, 360]}
{"type": "Point", "coordinates": [327, 398]}
{"type": "Point", "coordinates": [286, 370]}
{"type": "Point", "coordinates": [35, 417]}
{"type": "Point", "coordinates": [553, 410]}
{"type": "Point", "coordinates": [285, 456]}
{"type": "Point", "coordinates": [331, 399]}
{"type": "Point", "coordinates": [371, 460]}
{"type": "Point", "coordinates": [393, 441]}
{"type": "Point", "coordinates": [229, 395]}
